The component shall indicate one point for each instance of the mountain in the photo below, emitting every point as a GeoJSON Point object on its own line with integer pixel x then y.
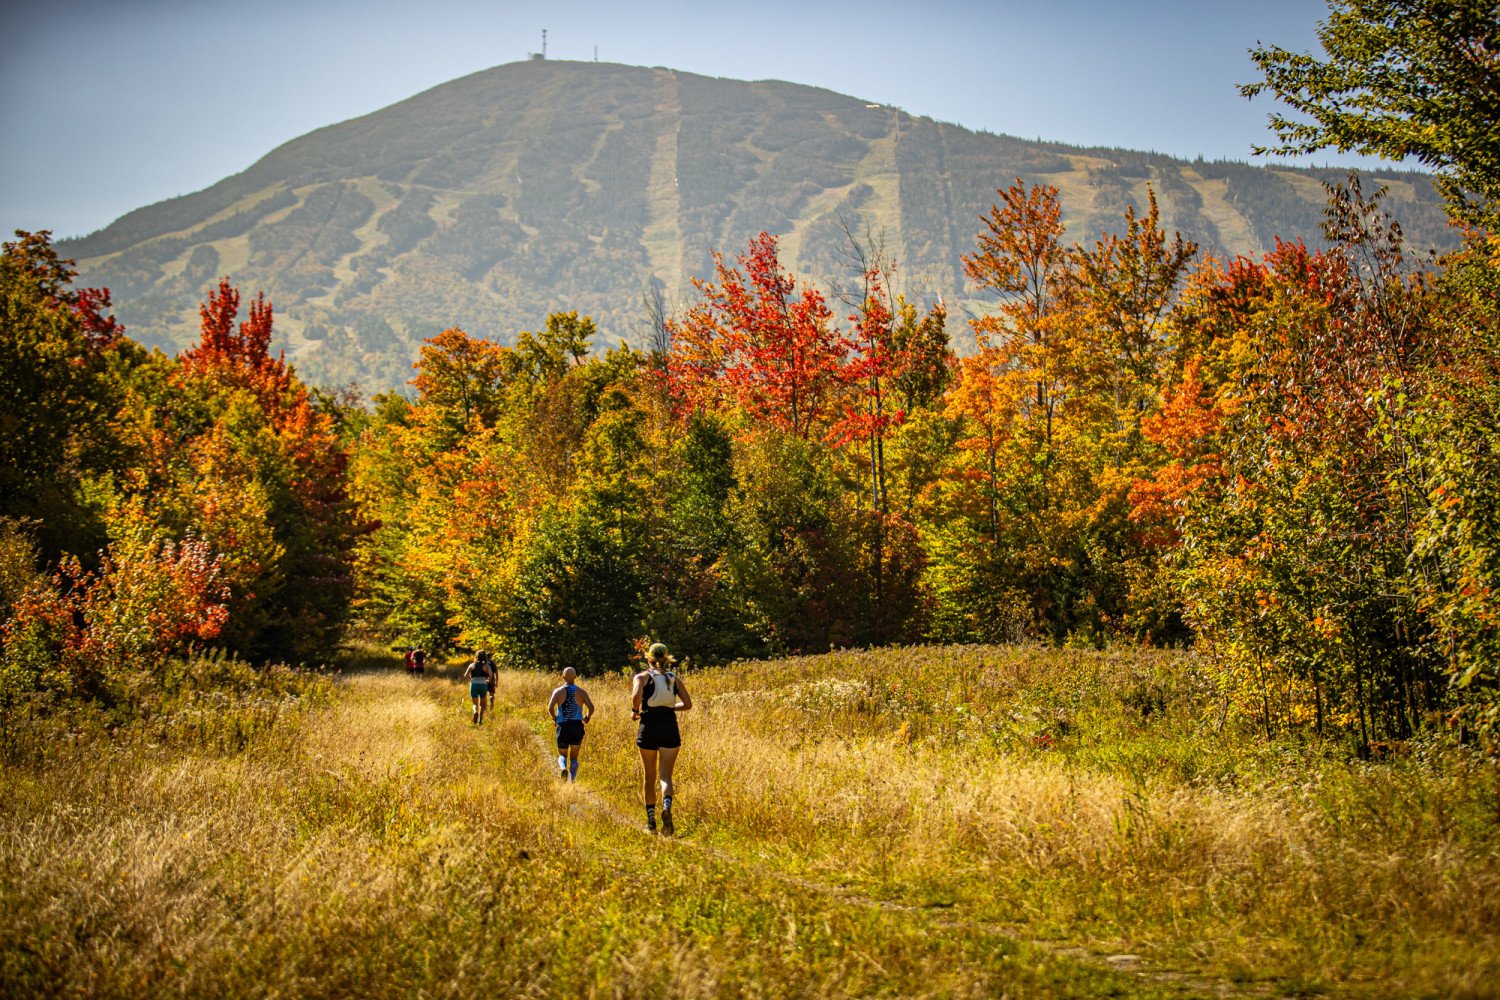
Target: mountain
{"type": "Point", "coordinates": [486, 202]}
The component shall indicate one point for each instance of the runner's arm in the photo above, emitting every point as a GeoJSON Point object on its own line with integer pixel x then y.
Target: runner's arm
{"type": "Point", "coordinates": [684, 700]}
{"type": "Point", "coordinates": [552, 705]}
{"type": "Point", "coordinates": [635, 696]}
{"type": "Point", "coordinates": [587, 702]}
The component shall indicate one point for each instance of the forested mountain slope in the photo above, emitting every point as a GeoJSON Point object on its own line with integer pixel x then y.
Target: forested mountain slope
{"type": "Point", "coordinates": [491, 200]}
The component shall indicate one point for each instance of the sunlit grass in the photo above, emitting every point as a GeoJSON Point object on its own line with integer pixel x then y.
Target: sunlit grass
{"type": "Point", "coordinates": [922, 822]}
{"type": "Point", "coordinates": [1088, 796]}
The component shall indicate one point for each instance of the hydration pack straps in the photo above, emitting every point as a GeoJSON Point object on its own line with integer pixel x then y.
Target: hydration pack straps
{"type": "Point", "coordinates": [648, 693]}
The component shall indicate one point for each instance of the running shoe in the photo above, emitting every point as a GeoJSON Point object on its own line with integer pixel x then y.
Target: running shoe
{"type": "Point", "coordinates": [666, 822]}
{"type": "Point", "coordinates": [650, 824]}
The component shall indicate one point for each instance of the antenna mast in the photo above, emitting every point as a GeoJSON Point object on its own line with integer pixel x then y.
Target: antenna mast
{"type": "Point", "coordinates": [544, 43]}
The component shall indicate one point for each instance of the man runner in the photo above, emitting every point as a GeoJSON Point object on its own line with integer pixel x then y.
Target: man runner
{"type": "Point", "coordinates": [570, 708]}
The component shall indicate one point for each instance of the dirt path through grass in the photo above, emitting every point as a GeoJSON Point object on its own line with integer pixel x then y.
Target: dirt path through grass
{"type": "Point", "coordinates": [508, 757]}
{"type": "Point", "coordinates": [581, 803]}
{"type": "Point", "coordinates": [375, 842]}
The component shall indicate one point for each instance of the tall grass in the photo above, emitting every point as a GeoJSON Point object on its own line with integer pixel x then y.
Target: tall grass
{"type": "Point", "coordinates": [919, 822]}
{"type": "Point", "coordinates": [1092, 796]}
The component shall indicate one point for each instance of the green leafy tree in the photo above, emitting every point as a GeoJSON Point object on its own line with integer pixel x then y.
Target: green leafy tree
{"type": "Point", "coordinates": [691, 597]}
{"type": "Point", "coordinates": [60, 360]}
{"type": "Point", "coordinates": [1399, 78]}
{"type": "Point", "coordinates": [1458, 534]}
{"type": "Point", "coordinates": [791, 562]}
{"type": "Point", "coordinates": [561, 344]}
{"type": "Point", "coordinates": [577, 595]}
{"type": "Point", "coordinates": [396, 597]}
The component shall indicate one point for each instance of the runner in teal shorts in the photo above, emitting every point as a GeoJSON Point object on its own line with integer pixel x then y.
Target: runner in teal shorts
{"type": "Point", "coordinates": [480, 676]}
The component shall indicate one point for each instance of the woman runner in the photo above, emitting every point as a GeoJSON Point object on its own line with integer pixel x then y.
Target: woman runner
{"type": "Point", "coordinates": [479, 674]}
{"type": "Point", "coordinates": [656, 696]}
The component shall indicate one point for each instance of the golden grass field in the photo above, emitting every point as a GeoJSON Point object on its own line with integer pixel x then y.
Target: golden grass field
{"type": "Point", "coordinates": [984, 822]}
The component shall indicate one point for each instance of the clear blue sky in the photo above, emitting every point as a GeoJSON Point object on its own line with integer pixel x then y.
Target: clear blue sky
{"type": "Point", "coordinates": [108, 105]}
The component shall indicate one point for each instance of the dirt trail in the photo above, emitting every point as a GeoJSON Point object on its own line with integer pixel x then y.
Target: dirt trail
{"type": "Point", "coordinates": [512, 725]}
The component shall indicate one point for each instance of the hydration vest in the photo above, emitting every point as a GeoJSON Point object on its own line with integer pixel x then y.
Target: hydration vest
{"type": "Point", "coordinates": [654, 695]}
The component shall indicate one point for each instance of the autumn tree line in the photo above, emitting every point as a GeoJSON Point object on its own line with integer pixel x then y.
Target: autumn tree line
{"type": "Point", "coordinates": [1290, 464]}
{"type": "Point", "coordinates": [155, 506]}
{"type": "Point", "coordinates": [1287, 462]}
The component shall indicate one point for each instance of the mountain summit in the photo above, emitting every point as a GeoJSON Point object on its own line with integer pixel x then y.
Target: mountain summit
{"type": "Point", "coordinates": [489, 201]}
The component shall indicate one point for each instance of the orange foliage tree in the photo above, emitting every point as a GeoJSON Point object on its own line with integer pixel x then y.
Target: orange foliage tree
{"type": "Point", "coordinates": [233, 449]}
{"type": "Point", "coordinates": [756, 341]}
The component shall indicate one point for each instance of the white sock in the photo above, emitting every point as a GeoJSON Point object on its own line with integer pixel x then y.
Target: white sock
{"type": "Point", "coordinates": [562, 762]}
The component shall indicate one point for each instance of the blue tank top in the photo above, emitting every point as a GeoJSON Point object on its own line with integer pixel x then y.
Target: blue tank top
{"type": "Point", "coordinates": [569, 710]}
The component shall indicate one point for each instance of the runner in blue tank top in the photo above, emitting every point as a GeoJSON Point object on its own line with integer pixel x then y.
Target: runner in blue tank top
{"type": "Point", "coordinates": [570, 708]}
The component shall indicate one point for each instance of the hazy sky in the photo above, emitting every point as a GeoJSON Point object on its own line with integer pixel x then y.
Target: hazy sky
{"type": "Point", "coordinates": [108, 105]}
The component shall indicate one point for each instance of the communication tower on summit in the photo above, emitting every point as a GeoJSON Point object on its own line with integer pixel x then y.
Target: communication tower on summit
{"type": "Point", "coordinates": [539, 56]}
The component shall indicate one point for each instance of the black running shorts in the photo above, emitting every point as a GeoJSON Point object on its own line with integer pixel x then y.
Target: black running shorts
{"type": "Point", "coordinates": [569, 734]}
{"type": "Point", "coordinates": [658, 730]}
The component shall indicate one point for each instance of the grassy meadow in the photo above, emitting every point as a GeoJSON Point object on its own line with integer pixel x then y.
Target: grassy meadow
{"type": "Point", "coordinates": [971, 821]}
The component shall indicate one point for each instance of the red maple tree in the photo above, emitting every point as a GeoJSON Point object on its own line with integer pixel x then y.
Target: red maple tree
{"type": "Point", "coordinates": [759, 341]}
